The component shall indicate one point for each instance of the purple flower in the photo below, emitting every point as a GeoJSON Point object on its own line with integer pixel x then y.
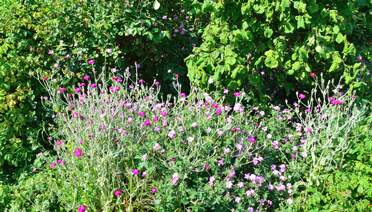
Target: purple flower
{"type": "Point", "coordinates": [53, 165]}
{"type": "Point", "coordinates": [257, 160]}
{"type": "Point", "coordinates": [86, 77]}
{"type": "Point", "coordinates": [301, 96]}
{"type": "Point", "coordinates": [275, 144]}
{"type": "Point", "coordinates": [135, 171]}
{"type": "Point", "coordinates": [154, 190]}
{"type": "Point", "coordinates": [251, 139]}
{"type": "Point", "coordinates": [250, 192]}
{"type": "Point", "coordinates": [82, 208]}
{"type": "Point", "coordinates": [147, 122]}
{"type": "Point", "coordinates": [172, 134]}
{"type": "Point", "coordinates": [91, 62]}
{"type": "Point", "coordinates": [118, 193]}
{"type": "Point", "coordinates": [78, 152]}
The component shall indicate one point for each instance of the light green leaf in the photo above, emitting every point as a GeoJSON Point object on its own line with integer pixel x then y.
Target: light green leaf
{"type": "Point", "coordinates": [339, 38]}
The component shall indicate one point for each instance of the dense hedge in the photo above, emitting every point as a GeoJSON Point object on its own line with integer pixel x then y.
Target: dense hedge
{"type": "Point", "coordinates": [252, 43]}
{"type": "Point", "coordinates": [40, 36]}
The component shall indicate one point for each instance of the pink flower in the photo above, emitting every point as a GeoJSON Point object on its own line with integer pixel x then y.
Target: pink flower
{"type": "Point", "coordinates": [301, 96]}
{"type": "Point", "coordinates": [229, 184]}
{"type": "Point", "coordinates": [172, 134]}
{"type": "Point", "coordinates": [312, 74]}
{"type": "Point", "coordinates": [250, 192]}
{"type": "Point", "coordinates": [61, 162]}
{"type": "Point", "coordinates": [175, 178]}
{"type": "Point", "coordinates": [59, 143]}
{"type": "Point", "coordinates": [211, 181]}
{"type": "Point", "coordinates": [114, 89]}
{"type": "Point", "coordinates": [141, 81]}
{"type": "Point", "coordinates": [93, 85]}
{"type": "Point", "coordinates": [118, 193]}
{"type": "Point", "coordinates": [335, 102]}
{"type": "Point", "coordinates": [117, 79]}
{"type": "Point", "coordinates": [218, 111]}
{"type": "Point", "coordinates": [77, 90]}
{"type": "Point", "coordinates": [225, 91]}
{"type": "Point", "coordinates": [91, 62]}
{"type": "Point", "coordinates": [147, 122]}
{"type": "Point", "coordinates": [155, 119]}
{"type": "Point", "coordinates": [182, 94]}
{"type": "Point", "coordinates": [53, 165]}
{"type": "Point", "coordinates": [82, 208]}
{"type": "Point", "coordinates": [251, 139]}
{"type": "Point", "coordinates": [86, 77]}
{"type": "Point", "coordinates": [50, 52]}
{"type": "Point", "coordinates": [78, 152]}
{"type": "Point", "coordinates": [163, 113]}
{"type": "Point", "coordinates": [61, 90]}
{"type": "Point", "coordinates": [154, 190]}
{"type": "Point", "coordinates": [135, 171]}
{"type": "Point", "coordinates": [141, 113]}
{"type": "Point", "coordinates": [237, 94]}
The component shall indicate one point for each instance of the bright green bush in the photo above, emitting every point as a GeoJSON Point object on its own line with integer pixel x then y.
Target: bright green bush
{"type": "Point", "coordinates": [37, 36]}
{"type": "Point", "coordinates": [271, 48]}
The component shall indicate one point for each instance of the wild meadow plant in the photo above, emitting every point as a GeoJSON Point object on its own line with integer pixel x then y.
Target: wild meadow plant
{"type": "Point", "coordinates": [122, 147]}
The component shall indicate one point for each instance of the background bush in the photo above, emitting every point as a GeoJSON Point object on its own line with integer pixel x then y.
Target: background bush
{"type": "Point", "coordinates": [252, 43]}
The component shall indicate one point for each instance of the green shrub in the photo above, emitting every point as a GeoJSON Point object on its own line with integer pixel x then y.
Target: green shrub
{"type": "Point", "coordinates": [272, 48]}
{"type": "Point", "coordinates": [37, 36]}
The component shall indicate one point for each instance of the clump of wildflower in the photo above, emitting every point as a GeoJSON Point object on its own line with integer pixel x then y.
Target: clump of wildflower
{"type": "Point", "coordinates": [91, 62]}
{"type": "Point", "coordinates": [172, 134]}
{"type": "Point", "coordinates": [252, 139]}
{"type": "Point", "coordinates": [82, 208]}
{"type": "Point", "coordinates": [154, 190]}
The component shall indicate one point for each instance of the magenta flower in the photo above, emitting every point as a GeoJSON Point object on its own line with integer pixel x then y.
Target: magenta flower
{"type": "Point", "coordinates": [252, 139]}
{"type": "Point", "coordinates": [53, 165]}
{"type": "Point", "coordinates": [163, 113]}
{"type": "Point", "coordinates": [147, 122]}
{"type": "Point", "coordinates": [61, 90]}
{"type": "Point", "coordinates": [335, 102]}
{"type": "Point", "coordinates": [301, 96]}
{"type": "Point", "coordinates": [218, 111]}
{"type": "Point", "coordinates": [61, 162]}
{"type": "Point", "coordinates": [141, 81]}
{"type": "Point", "coordinates": [182, 94]}
{"type": "Point", "coordinates": [82, 84]}
{"type": "Point", "coordinates": [117, 79]}
{"type": "Point", "coordinates": [156, 118]}
{"type": "Point", "coordinates": [77, 90]}
{"type": "Point", "coordinates": [93, 85]}
{"type": "Point", "coordinates": [154, 190]}
{"type": "Point", "coordinates": [118, 193]}
{"type": "Point", "coordinates": [86, 77]}
{"type": "Point", "coordinates": [141, 113]}
{"type": "Point", "coordinates": [237, 94]}
{"type": "Point", "coordinates": [82, 208]}
{"type": "Point", "coordinates": [91, 62]}
{"type": "Point", "coordinates": [114, 89]}
{"type": "Point", "coordinates": [135, 171]}
{"type": "Point", "coordinates": [225, 91]}
{"type": "Point", "coordinates": [78, 152]}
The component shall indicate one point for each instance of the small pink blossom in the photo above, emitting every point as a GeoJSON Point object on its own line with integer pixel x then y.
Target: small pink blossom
{"type": "Point", "coordinates": [78, 152]}
{"type": "Point", "coordinates": [77, 90]}
{"type": "Point", "coordinates": [301, 96]}
{"type": "Point", "coordinates": [250, 192]}
{"type": "Point", "coordinates": [252, 139]}
{"type": "Point", "coordinates": [53, 165]}
{"type": "Point", "coordinates": [135, 171]}
{"type": "Point", "coordinates": [82, 208]}
{"type": "Point", "coordinates": [91, 62]}
{"type": "Point", "coordinates": [229, 184]}
{"type": "Point", "coordinates": [61, 90]}
{"type": "Point", "coordinates": [154, 190]}
{"type": "Point", "coordinates": [237, 94]}
{"type": "Point", "coordinates": [86, 77]}
{"type": "Point", "coordinates": [211, 181]}
{"type": "Point", "coordinates": [93, 85]}
{"type": "Point", "coordinates": [141, 113]}
{"type": "Point", "coordinates": [172, 134]}
{"type": "Point", "coordinates": [175, 178]}
{"type": "Point", "coordinates": [147, 122]}
{"type": "Point", "coordinates": [118, 193]}
{"type": "Point", "coordinates": [218, 111]}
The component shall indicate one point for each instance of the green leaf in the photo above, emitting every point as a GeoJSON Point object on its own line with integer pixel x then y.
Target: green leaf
{"type": "Point", "coordinates": [288, 27]}
{"type": "Point", "coordinates": [339, 38]}
{"type": "Point", "coordinates": [271, 60]}
{"type": "Point", "coordinates": [156, 5]}
{"type": "Point", "coordinates": [268, 32]}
